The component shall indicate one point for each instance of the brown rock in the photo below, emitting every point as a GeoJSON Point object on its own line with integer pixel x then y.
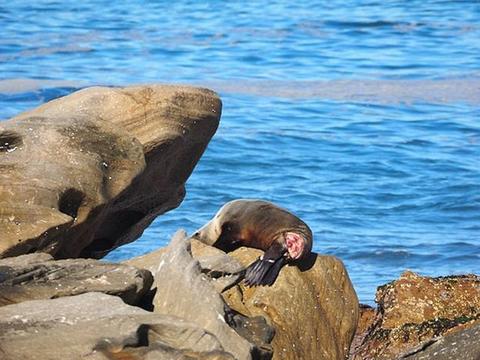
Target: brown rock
{"type": "Point", "coordinates": [189, 277]}
{"type": "Point", "coordinates": [38, 276]}
{"type": "Point", "coordinates": [367, 315]}
{"type": "Point", "coordinates": [85, 173]}
{"type": "Point", "coordinates": [312, 306]}
{"type": "Point", "coordinates": [415, 309]}
{"type": "Point", "coordinates": [365, 321]}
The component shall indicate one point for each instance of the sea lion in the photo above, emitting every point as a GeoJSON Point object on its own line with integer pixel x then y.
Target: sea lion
{"type": "Point", "coordinates": [262, 225]}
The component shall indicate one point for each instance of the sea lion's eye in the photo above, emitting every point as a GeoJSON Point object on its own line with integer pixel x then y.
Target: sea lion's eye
{"type": "Point", "coordinates": [227, 227]}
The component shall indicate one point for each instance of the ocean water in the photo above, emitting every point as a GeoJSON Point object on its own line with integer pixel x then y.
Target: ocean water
{"type": "Point", "coordinates": [362, 117]}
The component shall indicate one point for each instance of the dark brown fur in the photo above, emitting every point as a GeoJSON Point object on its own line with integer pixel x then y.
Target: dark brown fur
{"type": "Point", "coordinates": [255, 223]}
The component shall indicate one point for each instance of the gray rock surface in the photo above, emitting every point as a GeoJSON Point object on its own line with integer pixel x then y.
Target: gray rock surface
{"type": "Point", "coordinates": [183, 291]}
{"type": "Point", "coordinates": [213, 262]}
{"type": "Point", "coordinates": [86, 173]}
{"type": "Point", "coordinates": [99, 326]}
{"type": "Point", "coordinates": [38, 276]}
{"type": "Point", "coordinates": [463, 344]}
{"type": "Point", "coordinates": [222, 269]}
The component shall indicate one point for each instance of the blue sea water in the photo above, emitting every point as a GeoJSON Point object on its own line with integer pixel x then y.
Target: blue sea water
{"type": "Point", "coordinates": [362, 117]}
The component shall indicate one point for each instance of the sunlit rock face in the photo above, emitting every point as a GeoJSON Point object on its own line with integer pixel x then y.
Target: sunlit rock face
{"type": "Point", "coordinates": [86, 173]}
{"type": "Point", "coordinates": [415, 311]}
{"type": "Point", "coordinates": [38, 277]}
{"type": "Point", "coordinates": [76, 327]}
{"type": "Point", "coordinates": [312, 305]}
{"type": "Point", "coordinates": [189, 278]}
{"type": "Point", "coordinates": [310, 312]}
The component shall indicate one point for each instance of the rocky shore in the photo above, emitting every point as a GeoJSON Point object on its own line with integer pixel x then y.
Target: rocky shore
{"type": "Point", "coordinates": [86, 173]}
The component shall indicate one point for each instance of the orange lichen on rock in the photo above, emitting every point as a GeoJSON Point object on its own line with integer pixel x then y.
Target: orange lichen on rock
{"type": "Point", "coordinates": [415, 309]}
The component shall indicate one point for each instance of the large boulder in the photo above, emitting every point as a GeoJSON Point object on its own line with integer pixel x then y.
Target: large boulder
{"type": "Point", "coordinates": [98, 326]}
{"type": "Point", "coordinates": [312, 306]}
{"type": "Point", "coordinates": [85, 173]}
{"type": "Point", "coordinates": [414, 310]}
{"type": "Point", "coordinates": [37, 276]}
{"type": "Point", "coordinates": [183, 290]}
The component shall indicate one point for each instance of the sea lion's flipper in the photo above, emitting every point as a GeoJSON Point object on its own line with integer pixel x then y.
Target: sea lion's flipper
{"type": "Point", "coordinates": [265, 270]}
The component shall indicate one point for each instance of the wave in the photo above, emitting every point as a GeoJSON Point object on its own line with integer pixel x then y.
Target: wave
{"type": "Point", "coordinates": [372, 91]}
{"type": "Point", "coordinates": [18, 86]}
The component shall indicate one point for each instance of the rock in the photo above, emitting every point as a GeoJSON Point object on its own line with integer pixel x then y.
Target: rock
{"type": "Point", "coordinates": [184, 291]}
{"type": "Point", "coordinates": [256, 330]}
{"type": "Point", "coordinates": [414, 309]}
{"type": "Point", "coordinates": [464, 344]}
{"type": "Point", "coordinates": [224, 270]}
{"type": "Point", "coordinates": [86, 173]}
{"type": "Point", "coordinates": [365, 321]}
{"type": "Point", "coordinates": [211, 260]}
{"type": "Point", "coordinates": [313, 307]}
{"type": "Point", "coordinates": [24, 260]}
{"type": "Point", "coordinates": [217, 265]}
{"type": "Point", "coordinates": [99, 326]}
{"type": "Point", "coordinates": [38, 276]}
{"type": "Point", "coordinates": [221, 271]}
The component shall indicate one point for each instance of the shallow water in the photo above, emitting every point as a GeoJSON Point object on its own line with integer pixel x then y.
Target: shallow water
{"type": "Point", "coordinates": [360, 117]}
